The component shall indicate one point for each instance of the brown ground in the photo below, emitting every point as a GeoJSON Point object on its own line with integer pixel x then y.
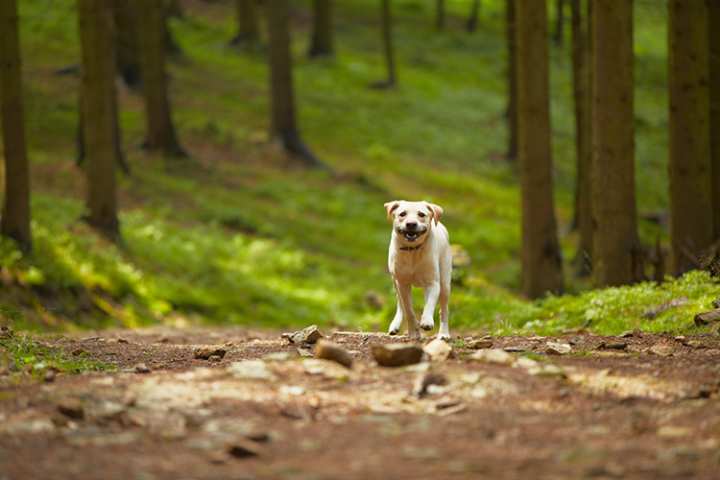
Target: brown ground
{"type": "Point", "coordinates": [650, 410]}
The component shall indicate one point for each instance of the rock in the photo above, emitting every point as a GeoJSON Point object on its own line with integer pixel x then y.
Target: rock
{"type": "Point", "coordinates": [438, 350]}
{"type": "Point", "coordinates": [631, 333]}
{"type": "Point", "coordinates": [493, 355]}
{"type": "Point", "coordinates": [308, 335]}
{"type": "Point", "coordinates": [374, 300]}
{"type": "Point", "coordinates": [241, 448]}
{"type": "Point", "coordinates": [514, 348]}
{"type": "Point", "coordinates": [424, 382]}
{"type": "Point", "coordinates": [205, 352]}
{"type": "Point", "coordinates": [613, 345]}
{"type": "Point", "coordinates": [697, 344]}
{"type": "Point", "coordinates": [707, 318]}
{"type": "Point", "coordinates": [103, 411]}
{"type": "Point", "coordinates": [141, 368]}
{"type": "Point", "coordinates": [50, 375]}
{"type": "Point", "coordinates": [397, 354]}
{"type": "Point", "coordinates": [72, 408]}
{"type": "Point", "coordinates": [526, 363]}
{"type": "Point", "coordinates": [251, 370]}
{"type": "Point", "coordinates": [332, 351]}
{"type": "Point", "coordinates": [305, 352]}
{"type": "Point", "coordinates": [558, 348]}
{"type": "Point", "coordinates": [479, 343]}
{"type": "Point", "coordinates": [122, 340]}
{"type": "Point", "coordinates": [215, 358]}
{"type": "Point", "coordinates": [662, 349]}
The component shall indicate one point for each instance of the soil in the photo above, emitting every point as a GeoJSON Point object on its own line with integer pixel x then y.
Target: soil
{"type": "Point", "coordinates": [641, 406]}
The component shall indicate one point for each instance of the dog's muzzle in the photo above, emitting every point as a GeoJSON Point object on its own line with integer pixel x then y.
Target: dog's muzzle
{"type": "Point", "coordinates": [411, 235]}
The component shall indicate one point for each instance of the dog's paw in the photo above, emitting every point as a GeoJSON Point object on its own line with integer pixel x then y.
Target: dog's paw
{"type": "Point", "coordinates": [444, 336]}
{"type": "Point", "coordinates": [427, 324]}
{"type": "Point", "coordinates": [393, 331]}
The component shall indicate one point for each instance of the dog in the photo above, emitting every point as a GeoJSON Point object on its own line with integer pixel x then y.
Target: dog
{"type": "Point", "coordinates": [419, 256]}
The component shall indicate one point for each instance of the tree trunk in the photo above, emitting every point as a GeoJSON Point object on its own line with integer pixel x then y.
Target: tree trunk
{"type": "Point", "coordinates": [541, 259]}
{"type": "Point", "coordinates": [559, 33]}
{"type": "Point", "coordinates": [160, 129]}
{"type": "Point", "coordinates": [714, 16]}
{"type": "Point", "coordinates": [388, 45]}
{"type": "Point", "coordinates": [440, 14]}
{"type": "Point", "coordinates": [248, 23]}
{"type": "Point", "coordinates": [691, 218]}
{"type": "Point", "coordinates": [283, 123]}
{"type": "Point", "coordinates": [99, 109]}
{"type": "Point", "coordinates": [582, 97]}
{"type": "Point", "coordinates": [472, 20]}
{"type": "Point", "coordinates": [511, 112]}
{"type": "Point", "coordinates": [615, 242]}
{"type": "Point", "coordinates": [15, 221]}
{"type": "Point", "coordinates": [126, 40]}
{"type": "Point", "coordinates": [322, 37]}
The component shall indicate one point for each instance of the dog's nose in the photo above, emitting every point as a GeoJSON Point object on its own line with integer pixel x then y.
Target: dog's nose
{"type": "Point", "coordinates": [411, 225]}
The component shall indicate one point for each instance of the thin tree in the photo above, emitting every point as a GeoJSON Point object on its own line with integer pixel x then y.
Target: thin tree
{"type": "Point", "coordinates": [127, 49]}
{"type": "Point", "coordinates": [322, 41]}
{"type": "Point", "coordinates": [248, 23]}
{"type": "Point", "coordinates": [99, 113]}
{"type": "Point", "coordinates": [440, 14]}
{"type": "Point", "coordinates": [541, 259]}
{"type": "Point", "coordinates": [582, 97]}
{"type": "Point", "coordinates": [559, 33]}
{"type": "Point", "coordinates": [387, 35]}
{"type": "Point", "coordinates": [160, 134]}
{"type": "Point", "coordinates": [613, 171]}
{"type": "Point", "coordinates": [714, 50]}
{"type": "Point", "coordinates": [691, 218]}
{"type": "Point", "coordinates": [283, 122]}
{"type": "Point", "coordinates": [511, 66]}
{"type": "Point", "coordinates": [472, 21]}
{"type": "Point", "coordinates": [15, 221]}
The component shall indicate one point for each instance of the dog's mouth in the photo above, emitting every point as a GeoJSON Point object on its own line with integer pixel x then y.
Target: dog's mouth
{"type": "Point", "coordinates": [413, 235]}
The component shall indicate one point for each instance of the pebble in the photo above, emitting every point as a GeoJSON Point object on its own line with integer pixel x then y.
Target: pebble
{"type": "Point", "coordinates": [397, 354]}
{"type": "Point", "coordinates": [662, 350]}
{"type": "Point", "coordinates": [141, 368]}
{"type": "Point", "coordinates": [49, 376]}
{"type": "Point", "coordinates": [480, 343]}
{"type": "Point", "coordinates": [558, 348]}
{"type": "Point", "coordinates": [438, 350]}
{"type": "Point", "coordinates": [215, 358]}
{"type": "Point", "coordinates": [205, 352]}
{"type": "Point", "coordinates": [308, 335]}
{"type": "Point", "coordinates": [332, 351]}
{"type": "Point", "coordinates": [424, 382]}
{"type": "Point", "coordinates": [72, 408]}
{"type": "Point", "coordinates": [614, 345]}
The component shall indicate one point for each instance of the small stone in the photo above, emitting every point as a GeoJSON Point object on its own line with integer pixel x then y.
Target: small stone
{"type": "Point", "coordinates": [241, 448]}
{"type": "Point", "coordinates": [662, 350]}
{"type": "Point", "coordinates": [479, 343]}
{"type": "Point", "coordinates": [493, 355]}
{"type": "Point", "coordinates": [141, 368]}
{"type": "Point", "coordinates": [215, 358]}
{"type": "Point", "coordinates": [526, 363]}
{"type": "Point", "coordinates": [614, 345]}
{"type": "Point", "coordinates": [308, 335]}
{"type": "Point", "coordinates": [332, 351]}
{"type": "Point", "coordinates": [305, 352]}
{"type": "Point", "coordinates": [438, 350]}
{"type": "Point", "coordinates": [514, 348]}
{"type": "Point", "coordinates": [72, 408]}
{"type": "Point", "coordinates": [251, 370]}
{"type": "Point", "coordinates": [50, 375]}
{"type": "Point", "coordinates": [697, 344]}
{"type": "Point", "coordinates": [397, 354]}
{"type": "Point", "coordinates": [424, 381]}
{"type": "Point", "coordinates": [122, 340]}
{"type": "Point", "coordinates": [558, 348]}
{"type": "Point", "coordinates": [205, 352]}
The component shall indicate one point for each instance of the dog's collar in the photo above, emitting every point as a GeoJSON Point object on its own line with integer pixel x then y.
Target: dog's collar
{"type": "Point", "coordinates": [410, 249]}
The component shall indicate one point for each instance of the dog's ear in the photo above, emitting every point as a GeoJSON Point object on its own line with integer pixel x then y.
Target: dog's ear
{"type": "Point", "coordinates": [435, 210]}
{"type": "Point", "coordinates": [390, 207]}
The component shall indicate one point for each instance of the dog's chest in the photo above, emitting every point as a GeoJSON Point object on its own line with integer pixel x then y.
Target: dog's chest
{"type": "Point", "coordinates": [418, 270]}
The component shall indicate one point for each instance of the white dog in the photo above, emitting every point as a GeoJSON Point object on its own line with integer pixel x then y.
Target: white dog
{"type": "Point", "coordinates": [419, 256]}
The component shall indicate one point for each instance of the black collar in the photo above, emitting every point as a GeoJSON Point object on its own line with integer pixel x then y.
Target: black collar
{"type": "Point", "coordinates": [410, 249]}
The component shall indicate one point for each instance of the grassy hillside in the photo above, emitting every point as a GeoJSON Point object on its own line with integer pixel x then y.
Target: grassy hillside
{"type": "Point", "coordinates": [237, 235]}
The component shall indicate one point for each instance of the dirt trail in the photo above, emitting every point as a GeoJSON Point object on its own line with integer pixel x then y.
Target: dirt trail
{"type": "Point", "coordinates": [601, 407]}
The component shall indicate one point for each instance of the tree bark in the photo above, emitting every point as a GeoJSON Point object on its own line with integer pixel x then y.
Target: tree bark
{"type": "Point", "coordinates": [541, 259]}
{"type": "Point", "coordinates": [15, 221]}
{"type": "Point", "coordinates": [388, 45]}
{"type": "Point", "coordinates": [472, 20]}
{"type": "Point", "coordinates": [615, 242]}
{"type": "Point", "coordinates": [283, 122]}
{"type": "Point", "coordinates": [559, 33]}
{"type": "Point", "coordinates": [248, 23]}
{"type": "Point", "coordinates": [99, 110]}
{"type": "Point", "coordinates": [511, 111]}
{"type": "Point", "coordinates": [322, 42]}
{"type": "Point", "coordinates": [714, 34]}
{"type": "Point", "coordinates": [582, 97]}
{"type": "Point", "coordinates": [440, 14]}
{"type": "Point", "coordinates": [160, 134]}
{"type": "Point", "coordinates": [126, 40]}
{"type": "Point", "coordinates": [691, 218]}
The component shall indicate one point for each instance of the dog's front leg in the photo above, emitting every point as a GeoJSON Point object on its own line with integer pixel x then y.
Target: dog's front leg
{"type": "Point", "coordinates": [396, 324]}
{"type": "Point", "coordinates": [432, 293]}
{"type": "Point", "coordinates": [404, 292]}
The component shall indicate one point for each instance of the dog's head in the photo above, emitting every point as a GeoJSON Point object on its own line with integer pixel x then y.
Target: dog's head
{"type": "Point", "coordinates": [412, 220]}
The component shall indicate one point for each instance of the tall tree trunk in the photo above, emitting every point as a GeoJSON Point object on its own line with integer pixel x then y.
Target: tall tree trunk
{"type": "Point", "coordinates": [615, 239]}
{"type": "Point", "coordinates": [248, 23]}
{"type": "Point", "coordinates": [386, 15]}
{"type": "Point", "coordinates": [472, 21]}
{"type": "Point", "coordinates": [99, 110]}
{"type": "Point", "coordinates": [440, 14]}
{"type": "Point", "coordinates": [511, 111]}
{"type": "Point", "coordinates": [714, 33]}
{"type": "Point", "coordinates": [126, 40]}
{"type": "Point", "coordinates": [321, 43]}
{"type": "Point", "coordinates": [283, 122]}
{"type": "Point", "coordinates": [15, 221]}
{"type": "Point", "coordinates": [559, 33]}
{"type": "Point", "coordinates": [541, 259]}
{"type": "Point", "coordinates": [582, 96]}
{"type": "Point", "coordinates": [691, 218]}
{"type": "Point", "coordinates": [160, 129]}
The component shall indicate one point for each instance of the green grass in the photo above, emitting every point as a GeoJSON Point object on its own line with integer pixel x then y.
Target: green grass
{"type": "Point", "coordinates": [240, 237]}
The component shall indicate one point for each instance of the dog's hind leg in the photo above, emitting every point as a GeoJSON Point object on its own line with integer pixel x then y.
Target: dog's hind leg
{"type": "Point", "coordinates": [404, 292]}
{"type": "Point", "coordinates": [444, 332]}
{"type": "Point", "coordinates": [432, 292]}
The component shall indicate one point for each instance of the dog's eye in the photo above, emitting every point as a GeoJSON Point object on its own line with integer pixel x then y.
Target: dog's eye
{"type": "Point", "coordinates": [402, 214]}
{"type": "Point", "coordinates": [421, 215]}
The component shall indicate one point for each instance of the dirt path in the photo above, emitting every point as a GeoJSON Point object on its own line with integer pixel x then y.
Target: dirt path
{"type": "Point", "coordinates": [637, 407]}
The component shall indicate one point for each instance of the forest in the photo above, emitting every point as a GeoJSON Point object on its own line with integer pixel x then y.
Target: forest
{"type": "Point", "coordinates": [192, 218]}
